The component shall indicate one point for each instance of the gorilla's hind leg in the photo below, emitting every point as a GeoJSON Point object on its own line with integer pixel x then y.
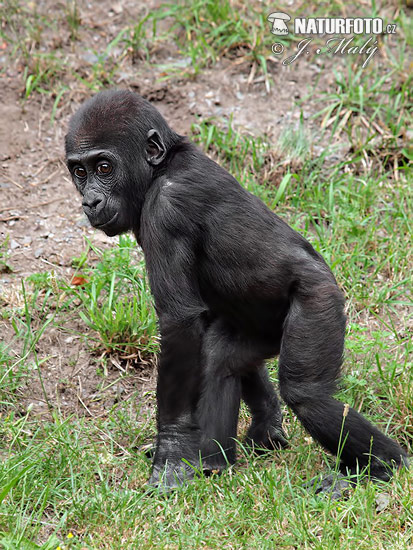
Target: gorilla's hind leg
{"type": "Point", "coordinates": [265, 431]}
{"type": "Point", "coordinates": [310, 360]}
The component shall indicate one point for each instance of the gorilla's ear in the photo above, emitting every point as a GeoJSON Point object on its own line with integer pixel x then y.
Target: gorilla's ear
{"type": "Point", "coordinates": [155, 148]}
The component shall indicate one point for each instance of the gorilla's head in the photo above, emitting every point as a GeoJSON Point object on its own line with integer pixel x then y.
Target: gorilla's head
{"type": "Point", "coordinates": [117, 141]}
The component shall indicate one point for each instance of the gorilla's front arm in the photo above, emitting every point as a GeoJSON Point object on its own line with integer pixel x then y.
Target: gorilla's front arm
{"type": "Point", "coordinates": [170, 258]}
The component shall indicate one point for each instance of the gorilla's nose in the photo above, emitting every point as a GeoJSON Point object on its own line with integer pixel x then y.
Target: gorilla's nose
{"type": "Point", "coordinates": [93, 203]}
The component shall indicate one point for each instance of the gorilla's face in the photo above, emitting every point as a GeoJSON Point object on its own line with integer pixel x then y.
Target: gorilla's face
{"type": "Point", "coordinates": [100, 179]}
{"type": "Point", "coordinates": [113, 168]}
{"type": "Point", "coordinates": [114, 147]}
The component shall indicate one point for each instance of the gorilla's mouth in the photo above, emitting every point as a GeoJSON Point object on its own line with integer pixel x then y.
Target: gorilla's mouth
{"type": "Point", "coordinates": [108, 223]}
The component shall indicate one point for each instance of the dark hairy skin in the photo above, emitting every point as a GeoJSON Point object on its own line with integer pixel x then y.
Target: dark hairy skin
{"type": "Point", "coordinates": [233, 286]}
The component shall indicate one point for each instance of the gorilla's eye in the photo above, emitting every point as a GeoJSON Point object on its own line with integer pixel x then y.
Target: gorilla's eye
{"type": "Point", "coordinates": [104, 169]}
{"type": "Point", "coordinates": [79, 172]}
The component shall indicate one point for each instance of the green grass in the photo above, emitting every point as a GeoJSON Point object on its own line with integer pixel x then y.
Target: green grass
{"type": "Point", "coordinates": [207, 30]}
{"type": "Point", "coordinates": [115, 302]}
{"type": "Point", "coordinates": [4, 255]}
{"type": "Point", "coordinates": [203, 32]}
{"type": "Point", "coordinates": [69, 477]}
{"type": "Point", "coordinates": [79, 482]}
{"type": "Point", "coordinates": [112, 299]}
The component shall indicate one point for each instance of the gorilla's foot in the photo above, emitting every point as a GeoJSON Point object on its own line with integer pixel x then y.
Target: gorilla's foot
{"type": "Point", "coordinates": [176, 458]}
{"type": "Point", "coordinates": [336, 486]}
{"type": "Point", "coordinates": [262, 437]}
{"type": "Point", "coordinates": [170, 476]}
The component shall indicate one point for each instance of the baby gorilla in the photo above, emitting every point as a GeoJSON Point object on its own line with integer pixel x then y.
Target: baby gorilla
{"type": "Point", "coordinates": [233, 286]}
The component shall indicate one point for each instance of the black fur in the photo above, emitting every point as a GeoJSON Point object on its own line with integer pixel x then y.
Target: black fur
{"type": "Point", "coordinates": [233, 285]}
